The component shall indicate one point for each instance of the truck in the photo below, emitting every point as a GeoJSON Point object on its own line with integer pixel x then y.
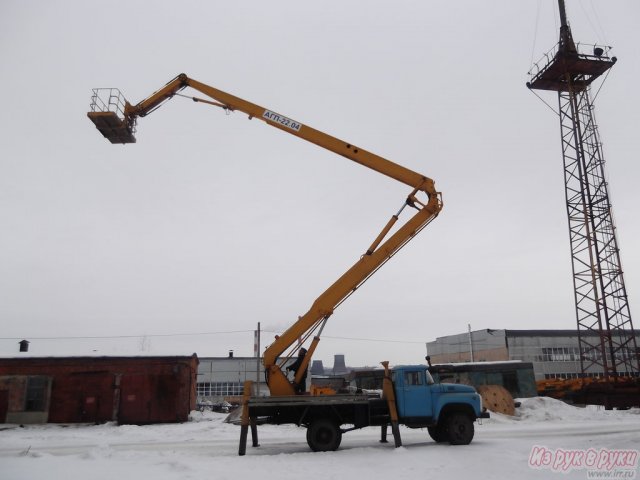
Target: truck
{"type": "Point", "coordinates": [409, 397]}
{"type": "Point", "coordinates": [447, 410]}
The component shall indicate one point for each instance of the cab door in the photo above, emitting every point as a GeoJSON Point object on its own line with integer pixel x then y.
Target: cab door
{"type": "Point", "coordinates": [416, 395]}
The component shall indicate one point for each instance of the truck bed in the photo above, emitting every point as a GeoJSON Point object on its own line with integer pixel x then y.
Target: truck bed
{"type": "Point", "coordinates": [359, 410]}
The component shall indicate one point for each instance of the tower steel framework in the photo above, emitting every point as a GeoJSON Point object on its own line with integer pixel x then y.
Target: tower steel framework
{"type": "Point", "coordinates": [606, 336]}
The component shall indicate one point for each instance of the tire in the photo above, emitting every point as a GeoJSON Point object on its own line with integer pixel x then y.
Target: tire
{"type": "Point", "coordinates": [459, 429]}
{"type": "Point", "coordinates": [437, 433]}
{"type": "Point", "coordinates": [324, 435]}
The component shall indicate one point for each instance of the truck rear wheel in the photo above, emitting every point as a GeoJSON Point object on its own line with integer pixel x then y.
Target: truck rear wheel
{"type": "Point", "coordinates": [323, 435]}
{"type": "Point", "coordinates": [437, 433]}
{"type": "Point", "coordinates": [459, 429]}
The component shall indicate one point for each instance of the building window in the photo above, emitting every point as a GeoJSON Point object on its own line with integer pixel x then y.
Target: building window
{"type": "Point", "coordinates": [36, 397]}
{"type": "Point", "coordinates": [219, 389]}
{"type": "Point", "coordinates": [560, 354]}
{"type": "Point", "coordinates": [572, 354]}
{"type": "Point", "coordinates": [566, 376]}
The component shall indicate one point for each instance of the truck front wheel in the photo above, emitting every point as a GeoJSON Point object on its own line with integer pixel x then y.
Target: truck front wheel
{"type": "Point", "coordinates": [459, 429]}
{"type": "Point", "coordinates": [323, 435]}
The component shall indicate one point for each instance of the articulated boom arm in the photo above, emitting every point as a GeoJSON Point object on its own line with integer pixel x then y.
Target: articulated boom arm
{"type": "Point", "coordinates": [377, 254]}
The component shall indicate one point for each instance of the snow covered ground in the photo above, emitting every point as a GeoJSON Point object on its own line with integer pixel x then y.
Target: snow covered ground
{"type": "Point", "coordinates": [560, 436]}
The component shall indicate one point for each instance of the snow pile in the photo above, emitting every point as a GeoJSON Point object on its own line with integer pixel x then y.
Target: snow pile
{"type": "Point", "coordinates": [544, 409]}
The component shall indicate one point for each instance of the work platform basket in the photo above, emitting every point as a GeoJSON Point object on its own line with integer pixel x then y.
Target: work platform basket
{"type": "Point", "coordinates": [107, 112]}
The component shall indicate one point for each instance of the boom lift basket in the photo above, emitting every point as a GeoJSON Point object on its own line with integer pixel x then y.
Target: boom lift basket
{"type": "Point", "coordinates": [107, 112]}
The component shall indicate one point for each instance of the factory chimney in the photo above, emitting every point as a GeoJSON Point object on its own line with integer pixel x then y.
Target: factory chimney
{"type": "Point", "coordinates": [317, 368]}
{"type": "Point", "coordinates": [339, 368]}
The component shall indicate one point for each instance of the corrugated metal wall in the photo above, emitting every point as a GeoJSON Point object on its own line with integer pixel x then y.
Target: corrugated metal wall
{"type": "Point", "coordinates": [134, 390]}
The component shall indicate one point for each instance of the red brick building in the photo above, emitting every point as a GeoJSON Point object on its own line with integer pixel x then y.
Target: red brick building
{"type": "Point", "coordinates": [134, 390]}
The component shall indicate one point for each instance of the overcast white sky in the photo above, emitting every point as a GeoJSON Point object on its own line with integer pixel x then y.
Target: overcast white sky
{"type": "Point", "coordinates": [212, 223]}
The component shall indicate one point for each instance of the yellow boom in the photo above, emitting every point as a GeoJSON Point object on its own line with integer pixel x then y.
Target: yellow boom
{"type": "Point", "coordinates": [116, 120]}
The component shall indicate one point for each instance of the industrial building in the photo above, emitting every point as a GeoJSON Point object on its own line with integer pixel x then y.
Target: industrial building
{"type": "Point", "coordinates": [553, 353]}
{"type": "Point", "coordinates": [222, 378]}
{"type": "Point", "coordinates": [127, 390]}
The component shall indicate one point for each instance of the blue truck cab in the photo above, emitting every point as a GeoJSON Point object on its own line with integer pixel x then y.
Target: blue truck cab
{"type": "Point", "coordinates": [447, 410]}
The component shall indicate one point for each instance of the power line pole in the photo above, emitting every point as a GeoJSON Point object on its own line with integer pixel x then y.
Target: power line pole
{"type": "Point", "coordinates": [258, 358]}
